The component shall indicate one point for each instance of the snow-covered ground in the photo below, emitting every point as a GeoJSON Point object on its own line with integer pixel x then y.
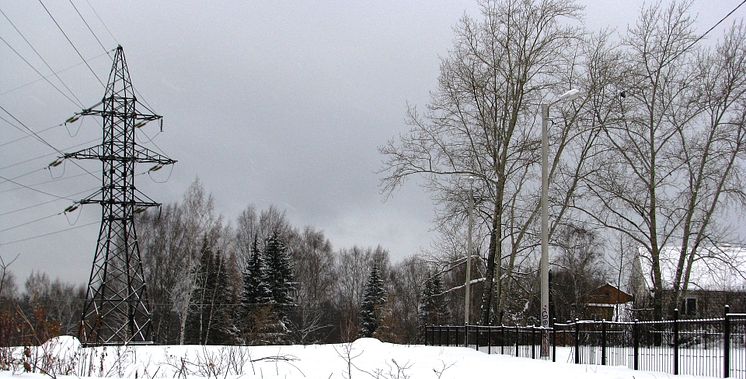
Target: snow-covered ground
{"type": "Point", "coordinates": [365, 358]}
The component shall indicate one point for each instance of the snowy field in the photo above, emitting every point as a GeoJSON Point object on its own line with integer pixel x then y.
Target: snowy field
{"type": "Point", "coordinates": [365, 358]}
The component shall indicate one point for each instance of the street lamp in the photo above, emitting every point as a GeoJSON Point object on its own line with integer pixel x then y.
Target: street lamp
{"type": "Point", "coordinates": [544, 265]}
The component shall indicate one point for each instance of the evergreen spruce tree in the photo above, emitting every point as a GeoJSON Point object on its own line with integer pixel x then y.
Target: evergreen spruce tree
{"type": "Point", "coordinates": [279, 273]}
{"type": "Point", "coordinates": [374, 297]}
{"type": "Point", "coordinates": [279, 277]}
{"type": "Point", "coordinates": [432, 308]}
{"type": "Point", "coordinates": [256, 290]}
{"type": "Point", "coordinates": [256, 299]}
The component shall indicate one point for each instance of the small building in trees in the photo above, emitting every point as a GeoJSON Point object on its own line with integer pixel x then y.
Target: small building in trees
{"type": "Point", "coordinates": [606, 302]}
{"type": "Point", "coordinates": [717, 277]}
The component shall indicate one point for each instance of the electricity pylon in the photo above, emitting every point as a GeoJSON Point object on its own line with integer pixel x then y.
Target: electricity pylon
{"type": "Point", "coordinates": [116, 309]}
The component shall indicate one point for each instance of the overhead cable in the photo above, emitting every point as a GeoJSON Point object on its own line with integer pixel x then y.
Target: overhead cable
{"type": "Point", "coordinates": [72, 44]}
{"type": "Point", "coordinates": [43, 140]}
{"type": "Point", "coordinates": [89, 27]}
{"type": "Point", "coordinates": [46, 234]}
{"type": "Point", "coordinates": [38, 72]}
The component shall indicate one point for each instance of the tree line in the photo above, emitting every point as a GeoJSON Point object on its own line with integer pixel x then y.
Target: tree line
{"type": "Point", "coordinates": [258, 281]}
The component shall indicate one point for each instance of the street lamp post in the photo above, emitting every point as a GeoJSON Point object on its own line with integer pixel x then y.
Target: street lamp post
{"type": "Point", "coordinates": [544, 264]}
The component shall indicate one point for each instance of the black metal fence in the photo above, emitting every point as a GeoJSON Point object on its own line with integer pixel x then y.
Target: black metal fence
{"type": "Point", "coordinates": [706, 347]}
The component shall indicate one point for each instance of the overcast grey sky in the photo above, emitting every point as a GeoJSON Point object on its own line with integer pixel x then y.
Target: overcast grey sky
{"type": "Point", "coordinates": [275, 102]}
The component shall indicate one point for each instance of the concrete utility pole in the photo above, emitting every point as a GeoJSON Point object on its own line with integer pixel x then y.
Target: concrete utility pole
{"type": "Point", "coordinates": [544, 264]}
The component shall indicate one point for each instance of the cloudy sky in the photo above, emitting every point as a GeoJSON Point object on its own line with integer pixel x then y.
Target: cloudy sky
{"type": "Point", "coordinates": [274, 102]}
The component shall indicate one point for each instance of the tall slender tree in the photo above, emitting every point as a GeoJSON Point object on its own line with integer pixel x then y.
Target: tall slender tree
{"type": "Point", "coordinates": [374, 298]}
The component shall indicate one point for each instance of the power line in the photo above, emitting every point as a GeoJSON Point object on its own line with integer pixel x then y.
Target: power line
{"type": "Point", "coordinates": [47, 155]}
{"type": "Point", "coordinates": [42, 139]}
{"type": "Point", "coordinates": [30, 222]}
{"type": "Point", "coordinates": [26, 135]}
{"type": "Point", "coordinates": [37, 71]}
{"type": "Point", "coordinates": [52, 74]}
{"type": "Point", "coordinates": [716, 25]}
{"type": "Point", "coordinates": [34, 189]}
{"type": "Point", "coordinates": [54, 180]}
{"type": "Point", "coordinates": [72, 44]}
{"type": "Point", "coordinates": [46, 234]}
{"type": "Point", "coordinates": [42, 203]}
{"type": "Point", "coordinates": [40, 57]}
{"type": "Point", "coordinates": [28, 130]}
{"type": "Point", "coordinates": [26, 174]}
{"type": "Point", "coordinates": [684, 50]}
{"type": "Point", "coordinates": [44, 182]}
{"type": "Point", "coordinates": [89, 27]}
{"type": "Point", "coordinates": [102, 21]}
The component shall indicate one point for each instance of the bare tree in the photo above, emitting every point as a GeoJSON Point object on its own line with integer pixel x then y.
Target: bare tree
{"type": "Point", "coordinates": [7, 279]}
{"type": "Point", "coordinates": [578, 269]}
{"type": "Point", "coordinates": [670, 157]}
{"type": "Point", "coordinates": [170, 241]}
{"type": "Point", "coordinates": [313, 268]}
{"type": "Point", "coordinates": [482, 122]}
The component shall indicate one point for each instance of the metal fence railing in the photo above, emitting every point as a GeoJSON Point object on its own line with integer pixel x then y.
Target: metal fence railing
{"type": "Point", "coordinates": [705, 347]}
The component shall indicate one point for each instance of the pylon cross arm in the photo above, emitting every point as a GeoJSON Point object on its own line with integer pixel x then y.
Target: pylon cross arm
{"type": "Point", "coordinates": [142, 155]}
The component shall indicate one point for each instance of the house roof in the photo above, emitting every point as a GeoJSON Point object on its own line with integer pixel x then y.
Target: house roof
{"type": "Point", "coordinates": [715, 268]}
{"type": "Point", "coordinates": [606, 294]}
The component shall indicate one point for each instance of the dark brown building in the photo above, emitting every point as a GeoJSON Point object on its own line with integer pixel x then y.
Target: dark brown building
{"type": "Point", "coordinates": [606, 302]}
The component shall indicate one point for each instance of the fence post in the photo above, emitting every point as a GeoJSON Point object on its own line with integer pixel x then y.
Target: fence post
{"type": "Point", "coordinates": [489, 339]}
{"type": "Point", "coordinates": [466, 335]}
{"type": "Point", "coordinates": [516, 341]}
{"type": "Point", "coordinates": [554, 340]}
{"type": "Point", "coordinates": [533, 342]}
{"type": "Point", "coordinates": [502, 339]}
{"type": "Point", "coordinates": [635, 344]}
{"type": "Point", "coordinates": [603, 342]}
{"type": "Point", "coordinates": [726, 343]}
{"type": "Point", "coordinates": [577, 341]}
{"type": "Point", "coordinates": [676, 341]}
{"type": "Point", "coordinates": [476, 337]}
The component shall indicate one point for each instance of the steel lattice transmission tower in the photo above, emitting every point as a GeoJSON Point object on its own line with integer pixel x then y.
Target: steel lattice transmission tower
{"type": "Point", "coordinates": [116, 307]}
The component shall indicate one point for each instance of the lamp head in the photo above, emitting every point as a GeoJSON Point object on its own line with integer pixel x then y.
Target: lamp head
{"type": "Point", "coordinates": [569, 95]}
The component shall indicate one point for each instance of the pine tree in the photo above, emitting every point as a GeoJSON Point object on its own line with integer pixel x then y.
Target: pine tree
{"type": "Point", "coordinates": [374, 297]}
